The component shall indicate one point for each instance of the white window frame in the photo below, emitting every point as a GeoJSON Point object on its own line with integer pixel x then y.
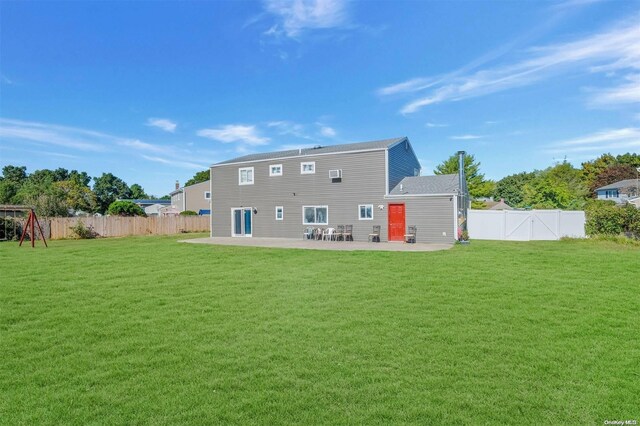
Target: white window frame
{"type": "Point", "coordinates": [307, 163]}
{"type": "Point", "coordinates": [360, 211]}
{"type": "Point", "coordinates": [207, 193]}
{"type": "Point", "coordinates": [271, 173]}
{"type": "Point", "coordinates": [281, 208]}
{"type": "Point", "coordinates": [246, 169]}
{"type": "Point", "coordinates": [304, 218]}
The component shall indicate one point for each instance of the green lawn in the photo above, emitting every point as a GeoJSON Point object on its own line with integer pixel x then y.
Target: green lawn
{"type": "Point", "coordinates": [148, 330]}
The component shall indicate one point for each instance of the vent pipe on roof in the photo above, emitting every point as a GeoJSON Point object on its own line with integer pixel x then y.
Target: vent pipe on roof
{"type": "Point", "coordinates": [177, 185]}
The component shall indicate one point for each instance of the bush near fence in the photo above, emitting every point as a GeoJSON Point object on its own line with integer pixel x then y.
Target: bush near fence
{"type": "Point", "coordinates": [118, 226]}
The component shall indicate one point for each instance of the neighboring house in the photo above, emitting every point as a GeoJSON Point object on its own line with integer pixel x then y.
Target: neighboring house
{"type": "Point", "coordinates": [196, 197]}
{"type": "Point", "coordinates": [150, 207]}
{"type": "Point", "coordinates": [498, 205]}
{"type": "Point", "coordinates": [279, 194]}
{"type": "Point", "coordinates": [620, 192]}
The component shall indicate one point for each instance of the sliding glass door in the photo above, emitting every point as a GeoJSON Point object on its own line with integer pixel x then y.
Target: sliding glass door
{"type": "Point", "coordinates": [241, 222]}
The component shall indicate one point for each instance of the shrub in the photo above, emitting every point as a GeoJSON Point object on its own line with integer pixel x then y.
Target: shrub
{"type": "Point", "coordinates": [605, 218]}
{"type": "Point", "coordinates": [125, 208]}
{"type": "Point", "coordinates": [82, 232]}
{"type": "Point", "coordinates": [188, 213]}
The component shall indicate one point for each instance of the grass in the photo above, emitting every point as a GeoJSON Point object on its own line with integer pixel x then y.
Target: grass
{"type": "Point", "coordinates": [147, 330]}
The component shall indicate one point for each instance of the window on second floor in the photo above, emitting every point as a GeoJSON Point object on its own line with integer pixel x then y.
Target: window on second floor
{"type": "Point", "coordinates": [207, 195]}
{"type": "Point", "coordinates": [245, 176]}
{"type": "Point", "coordinates": [308, 168]}
{"type": "Point", "coordinates": [275, 170]}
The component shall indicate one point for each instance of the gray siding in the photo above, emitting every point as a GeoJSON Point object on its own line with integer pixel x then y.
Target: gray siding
{"type": "Point", "coordinates": [176, 201]}
{"type": "Point", "coordinates": [195, 196]}
{"type": "Point", "coordinates": [363, 182]}
{"type": "Point", "coordinates": [402, 163]}
{"type": "Point", "coordinates": [432, 216]}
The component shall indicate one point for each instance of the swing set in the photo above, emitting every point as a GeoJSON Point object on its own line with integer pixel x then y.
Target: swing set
{"type": "Point", "coordinates": [12, 220]}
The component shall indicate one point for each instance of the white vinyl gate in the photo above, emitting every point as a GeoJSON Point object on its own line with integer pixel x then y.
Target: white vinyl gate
{"type": "Point", "coordinates": [516, 225]}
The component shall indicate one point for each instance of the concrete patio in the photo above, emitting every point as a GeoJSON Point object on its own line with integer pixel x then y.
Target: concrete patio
{"type": "Point", "coordinates": [317, 245]}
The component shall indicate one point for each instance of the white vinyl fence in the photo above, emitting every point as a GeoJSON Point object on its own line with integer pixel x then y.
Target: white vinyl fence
{"type": "Point", "coordinates": [516, 225]}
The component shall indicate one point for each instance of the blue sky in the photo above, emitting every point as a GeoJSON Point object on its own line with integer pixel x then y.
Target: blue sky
{"type": "Point", "coordinates": [154, 91]}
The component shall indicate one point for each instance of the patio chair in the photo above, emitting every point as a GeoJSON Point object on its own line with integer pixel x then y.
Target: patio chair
{"type": "Point", "coordinates": [308, 234]}
{"type": "Point", "coordinates": [319, 232]}
{"type": "Point", "coordinates": [375, 235]}
{"type": "Point", "coordinates": [329, 234]}
{"type": "Point", "coordinates": [340, 233]}
{"type": "Point", "coordinates": [410, 236]}
{"type": "Point", "coordinates": [347, 235]}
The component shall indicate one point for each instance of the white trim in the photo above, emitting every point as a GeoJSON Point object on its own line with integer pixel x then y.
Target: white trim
{"type": "Point", "coordinates": [281, 208]}
{"type": "Point", "coordinates": [253, 176]}
{"type": "Point", "coordinates": [316, 223]}
{"type": "Point", "coordinates": [455, 218]}
{"type": "Point", "coordinates": [211, 205]}
{"type": "Point", "coordinates": [298, 156]}
{"type": "Point", "coordinates": [242, 209]}
{"type": "Point", "coordinates": [307, 163]}
{"type": "Point", "coordinates": [275, 174]}
{"type": "Point", "coordinates": [365, 218]}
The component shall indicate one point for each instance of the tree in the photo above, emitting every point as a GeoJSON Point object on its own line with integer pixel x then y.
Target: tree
{"type": "Point", "coordinates": [137, 192]}
{"type": "Point", "coordinates": [125, 208]}
{"type": "Point", "coordinates": [107, 188]}
{"type": "Point", "coordinates": [511, 188]}
{"type": "Point", "coordinates": [613, 174]}
{"type": "Point", "coordinates": [478, 186]}
{"type": "Point", "coordinates": [202, 176]}
{"type": "Point", "coordinates": [592, 169]}
{"type": "Point", "coordinates": [76, 196]}
{"type": "Point", "coordinates": [558, 187]}
{"type": "Point", "coordinates": [630, 159]}
{"type": "Point", "coordinates": [14, 174]}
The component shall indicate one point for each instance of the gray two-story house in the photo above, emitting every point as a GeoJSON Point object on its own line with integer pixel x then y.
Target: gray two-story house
{"type": "Point", "coordinates": [279, 194]}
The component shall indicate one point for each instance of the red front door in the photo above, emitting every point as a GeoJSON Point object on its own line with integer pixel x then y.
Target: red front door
{"type": "Point", "coordinates": [396, 222]}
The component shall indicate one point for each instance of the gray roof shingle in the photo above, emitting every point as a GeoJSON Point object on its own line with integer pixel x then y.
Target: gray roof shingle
{"type": "Point", "coordinates": [361, 146]}
{"type": "Point", "coordinates": [620, 184]}
{"type": "Point", "coordinates": [419, 185]}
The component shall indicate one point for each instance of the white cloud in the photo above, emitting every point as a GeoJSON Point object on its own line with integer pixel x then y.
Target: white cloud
{"type": "Point", "coordinates": [296, 16]}
{"type": "Point", "coordinates": [327, 132]}
{"type": "Point", "coordinates": [235, 133]}
{"type": "Point", "coordinates": [436, 125]}
{"type": "Point", "coordinates": [176, 163]}
{"type": "Point", "coordinates": [50, 134]}
{"type": "Point", "coordinates": [615, 49]}
{"type": "Point", "coordinates": [466, 137]}
{"type": "Point", "coordinates": [284, 127]}
{"type": "Point", "coordinates": [162, 123]}
{"type": "Point", "coordinates": [603, 141]}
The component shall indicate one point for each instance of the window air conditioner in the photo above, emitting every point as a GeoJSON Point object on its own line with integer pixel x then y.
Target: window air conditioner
{"type": "Point", "coordinates": [335, 174]}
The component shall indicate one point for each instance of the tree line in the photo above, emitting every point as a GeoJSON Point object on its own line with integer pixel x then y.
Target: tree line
{"type": "Point", "coordinates": [57, 192]}
{"type": "Point", "coordinates": [561, 186]}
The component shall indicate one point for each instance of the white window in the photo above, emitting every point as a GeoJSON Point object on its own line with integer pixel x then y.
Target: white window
{"type": "Point", "coordinates": [279, 213]}
{"type": "Point", "coordinates": [365, 212]}
{"type": "Point", "coordinates": [308, 168]}
{"type": "Point", "coordinates": [275, 170]}
{"type": "Point", "coordinates": [207, 195]}
{"type": "Point", "coordinates": [245, 176]}
{"type": "Point", "coordinates": [315, 215]}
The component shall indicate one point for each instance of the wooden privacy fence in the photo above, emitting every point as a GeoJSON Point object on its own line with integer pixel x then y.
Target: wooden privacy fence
{"type": "Point", "coordinates": [117, 226]}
